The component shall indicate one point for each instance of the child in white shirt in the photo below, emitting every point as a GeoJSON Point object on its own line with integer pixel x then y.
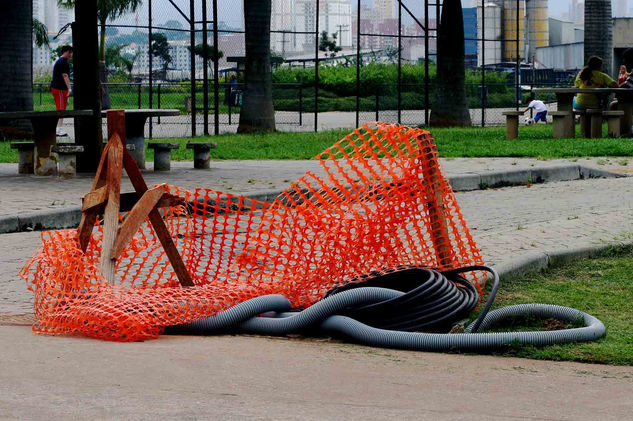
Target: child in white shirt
{"type": "Point", "coordinates": [539, 108]}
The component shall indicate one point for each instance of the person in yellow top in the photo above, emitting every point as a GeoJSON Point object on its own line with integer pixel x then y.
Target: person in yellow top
{"type": "Point", "coordinates": [591, 77]}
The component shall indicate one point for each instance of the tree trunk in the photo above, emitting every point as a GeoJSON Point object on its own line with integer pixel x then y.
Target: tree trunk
{"type": "Point", "coordinates": [451, 105]}
{"type": "Point", "coordinates": [86, 83]}
{"type": "Point", "coordinates": [16, 47]}
{"type": "Point", "coordinates": [257, 112]}
{"type": "Point", "coordinates": [599, 32]}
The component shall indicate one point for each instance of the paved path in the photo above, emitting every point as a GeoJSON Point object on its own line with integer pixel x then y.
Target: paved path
{"type": "Point", "coordinates": [232, 377]}
{"type": "Point", "coordinates": [240, 377]}
{"type": "Point", "coordinates": [31, 193]}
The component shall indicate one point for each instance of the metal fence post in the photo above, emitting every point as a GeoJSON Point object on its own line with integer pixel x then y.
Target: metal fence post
{"type": "Point", "coordinates": [205, 70]}
{"type": "Point", "coordinates": [159, 100]}
{"type": "Point", "coordinates": [427, 81]}
{"type": "Point", "coordinates": [151, 63]}
{"type": "Point", "coordinates": [518, 61]}
{"type": "Point", "coordinates": [377, 106]}
{"type": "Point", "coordinates": [316, 70]}
{"type": "Point", "coordinates": [192, 55]}
{"type": "Point", "coordinates": [399, 62]}
{"type": "Point", "coordinates": [483, 63]}
{"type": "Point", "coordinates": [229, 102]}
{"type": "Point", "coordinates": [358, 64]}
{"type": "Point", "coordinates": [216, 71]}
{"type": "Point", "coordinates": [138, 91]}
{"type": "Point", "coordinates": [301, 104]}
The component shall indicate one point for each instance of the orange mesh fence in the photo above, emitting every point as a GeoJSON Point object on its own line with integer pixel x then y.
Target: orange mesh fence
{"type": "Point", "coordinates": [382, 204]}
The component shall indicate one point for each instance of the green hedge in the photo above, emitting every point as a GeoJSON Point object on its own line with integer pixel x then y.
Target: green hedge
{"type": "Point", "coordinates": [337, 88]}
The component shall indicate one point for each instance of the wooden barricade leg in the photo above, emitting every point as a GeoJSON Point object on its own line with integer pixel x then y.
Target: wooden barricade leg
{"type": "Point", "coordinates": [106, 192]}
{"type": "Point", "coordinates": [436, 207]}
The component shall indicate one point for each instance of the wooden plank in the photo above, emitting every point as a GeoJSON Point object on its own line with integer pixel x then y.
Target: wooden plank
{"type": "Point", "coordinates": [436, 206]}
{"type": "Point", "coordinates": [116, 124]}
{"type": "Point", "coordinates": [135, 219]}
{"type": "Point", "coordinates": [111, 215]}
{"type": "Point", "coordinates": [128, 200]}
{"type": "Point", "coordinates": [88, 219]}
{"type": "Point", "coordinates": [136, 178]}
{"type": "Point", "coordinates": [170, 248]}
{"type": "Point", "coordinates": [94, 199]}
{"type": "Point", "coordinates": [134, 173]}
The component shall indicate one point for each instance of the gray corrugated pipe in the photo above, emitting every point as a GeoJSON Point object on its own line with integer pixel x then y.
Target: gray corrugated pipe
{"type": "Point", "coordinates": [323, 315]}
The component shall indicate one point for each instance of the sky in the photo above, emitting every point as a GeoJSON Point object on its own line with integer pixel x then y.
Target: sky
{"type": "Point", "coordinates": [230, 11]}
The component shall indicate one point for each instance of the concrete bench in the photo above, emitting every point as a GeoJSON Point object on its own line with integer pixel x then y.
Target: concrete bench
{"type": "Point", "coordinates": [201, 154]}
{"type": "Point", "coordinates": [26, 159]}
{"type": "Point", "coordinates": [67, 158]}
{"type": "Point", "coordinates": [613, 122]}
{"type": "Point", "coordinates": [594, 118]}
{"type": "Point", "coordinates": [162, 155]}
{"type": "Point", "coordinates": [561, 124]}
{"type": "Point", "coordinates": [512, 123]}
{"type": "Point", "coordinates": [44, 124]}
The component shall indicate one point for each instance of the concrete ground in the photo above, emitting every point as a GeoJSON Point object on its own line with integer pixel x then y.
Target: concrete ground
{"type": "Point", "coordinates": [237, 377]}
{"type": "Point", "coordinates": [242, 377]}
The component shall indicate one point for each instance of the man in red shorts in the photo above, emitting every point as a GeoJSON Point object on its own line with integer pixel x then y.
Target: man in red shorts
{"type": "Point", "coordinates": [60, 85]}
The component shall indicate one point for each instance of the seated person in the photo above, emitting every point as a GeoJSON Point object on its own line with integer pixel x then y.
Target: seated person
{"type": "Point", "coordinates": [592, 77]}
{"type": "Point", "coordinates": [539, 108]}
{"type": "Point", "coordinates": [623, 75]}
{"type": "Point", "coordinates": [627, 59]}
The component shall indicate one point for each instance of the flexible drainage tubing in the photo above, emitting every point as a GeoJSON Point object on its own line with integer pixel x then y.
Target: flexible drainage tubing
{"type": "Point", "coordinates": [326, 316]}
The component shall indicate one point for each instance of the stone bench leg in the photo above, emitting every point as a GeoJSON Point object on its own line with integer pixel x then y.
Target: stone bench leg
{"type": "Point", "coordinates": [614, 126]}
{"type": "Point", "coordinates": [585, 126]}
{"type": "Point", "coordinates": [67, 165]}
{"type": "Point", "coordinates": [26, 160]}
{"type": "Point", "coordinates": [512, 127]}
{"type": "Point", "coordinates": [162, 159]}
{"type": "Point", "coordinates": [202, 158]}
{"type": "Point", "coordinates": [596, 126]}
{"type": "Point", "coordinates": [561, 127]}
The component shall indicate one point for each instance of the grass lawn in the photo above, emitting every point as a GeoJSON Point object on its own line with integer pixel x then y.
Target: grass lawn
{"type": "Point", "coordinates": [602, 287]}
{"type": "Point", "coordinates": [533, 142]}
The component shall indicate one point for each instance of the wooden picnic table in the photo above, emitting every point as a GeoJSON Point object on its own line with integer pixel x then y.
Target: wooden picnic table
{"type": "Point", "coordinates": [44, 124]}
{"type": "Point", "coordinates": [565, 99]}
{"type": "Point", "coordinates": [135, 120]}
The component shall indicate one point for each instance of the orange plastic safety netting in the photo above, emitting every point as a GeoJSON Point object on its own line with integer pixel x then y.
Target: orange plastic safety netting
{"type": "Point", "coordinates": [382, 203]}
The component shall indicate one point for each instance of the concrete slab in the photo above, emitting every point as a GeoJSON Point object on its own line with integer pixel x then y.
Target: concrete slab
{"type": "Point", "coordinates": [228, 377]}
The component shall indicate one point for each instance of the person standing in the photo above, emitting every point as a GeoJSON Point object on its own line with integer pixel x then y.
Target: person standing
{"type": "Point", "coordinates": [60, 84]}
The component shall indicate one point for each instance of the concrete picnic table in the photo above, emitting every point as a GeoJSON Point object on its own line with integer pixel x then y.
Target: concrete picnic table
{"type": "Point", "coordinates": [44, 125]}
{"type": "Point", "coordinates": [135, 129]}
{"type": "Point", "coordinates": [565, 99]}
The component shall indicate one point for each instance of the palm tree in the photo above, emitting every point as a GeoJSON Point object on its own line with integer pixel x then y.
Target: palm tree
{"type": "Point", "coordinates": [257, 112]}
{"type": "Point", "coordinates": [16, 46]}
{"type": "Point", "coordinates": [599, 32]}
{"type": "Point", "coordinates": [107, 10]}
{"type": "Point", "coordinates": [451, 105]}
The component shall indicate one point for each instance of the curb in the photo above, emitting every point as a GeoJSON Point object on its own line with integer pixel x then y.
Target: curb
{"type": "Point", "coordinates": [535, 261]}
{"type": "Point", "coordinates": [69, 217]}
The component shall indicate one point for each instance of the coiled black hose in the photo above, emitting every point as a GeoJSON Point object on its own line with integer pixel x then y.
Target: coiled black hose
{"type": "Point", "coordinates": [383, 317]}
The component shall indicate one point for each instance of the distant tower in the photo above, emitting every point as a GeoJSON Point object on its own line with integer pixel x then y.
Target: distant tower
{"type": "Point", "coordinates": [537, 26]}
{"type": "Point", "coordinates": [510, 29]}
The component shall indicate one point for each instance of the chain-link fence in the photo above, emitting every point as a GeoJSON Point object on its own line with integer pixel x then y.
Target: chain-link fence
{"type": "Point", "coordinates": [336, 63]}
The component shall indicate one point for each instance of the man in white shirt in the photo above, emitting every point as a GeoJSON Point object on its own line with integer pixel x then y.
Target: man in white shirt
{"type": "Point", "coordinates": [539, 108]}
